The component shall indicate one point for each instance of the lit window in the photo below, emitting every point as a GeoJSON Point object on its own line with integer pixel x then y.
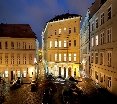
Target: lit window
{"type": "Point", "coordinates": [59, 31]}
{"type": "Point", "coordinates": [96, 40]}
{"type": "Point", "coordinates": [18, 73]}
{"type": "Point", "coordinates": [24, 74]}
{"type": "Point", "coordinates": [65, 58]}
{"type": "Point", "coordinates": [55, 57]}
{"type": "Point", "coordinates": [6, 74]}
{"type": "Point", "coordinates": [92, 42]}
{"type": "Point", "coordinates": [109, 57]}
{"type": "Point", "coordinates": [109, 12]}
{"type": "Point", "coordinates": [65, 43]}
{"type": "Point", "coordinates": [70, 57]}
{"type": "Point", "coordinates": [55, 43]}
{"type": "Point", "coordinates": [74, 57]}
{"type": "Point", "coordinates": [109, 35]}
{"type": "Point", "coordinates": [64, 29]}
{"type": "Point", "coordinates": [59, 57]}
{"type": "Point", "coordinates": [59, 43]}
{"type": "Point", "coordinates": [50, 44]}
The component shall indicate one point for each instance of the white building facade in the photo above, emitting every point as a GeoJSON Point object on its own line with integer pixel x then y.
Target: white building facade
{"type": "Point", "coordinates": [61, 46]}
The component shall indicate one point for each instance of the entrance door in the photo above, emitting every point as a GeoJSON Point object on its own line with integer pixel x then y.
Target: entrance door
{"type": "Point", "coordinates": [75, 72]}
{"type": "Point", "coordinates": [64, 72]}
{"type": "Point", "coordinates": [11, 75]}
{"type": "Point", "coordinates": [59, 71]}
{"type": "Point", "coordinates": [69, 71]}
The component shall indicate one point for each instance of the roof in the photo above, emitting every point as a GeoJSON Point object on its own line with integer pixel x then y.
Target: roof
{"type": "Point", "coordinates": [64, 16]}
{"type": "Point", "coordinates": [16, 31]}
{"type": "Point", "coordinates": [96, 6]}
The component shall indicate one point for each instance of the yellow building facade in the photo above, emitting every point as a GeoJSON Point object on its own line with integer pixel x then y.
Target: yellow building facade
{"type": "Point", "coordinates": [61, 46]}
{"type": "Point", "coordinates": [103, 45]}
{"type": "Point", "coordinates": [17, 52]}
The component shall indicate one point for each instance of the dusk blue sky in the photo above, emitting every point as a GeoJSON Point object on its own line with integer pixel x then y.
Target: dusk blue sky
{"type": "Point", "coordinates": [38, 12]}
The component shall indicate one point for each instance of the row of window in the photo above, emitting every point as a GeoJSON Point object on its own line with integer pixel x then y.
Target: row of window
{"type": "Point", "coordinates": [99, 58]}
{"type": "Point", "coordinates": [65, 57]}
{"type": "Point", "coordinates": [18, 45]}
{"type": "Point", "coordinates": [103, 38]}
{"type": "Point", "coordinates": [18, 58]}
{"type": "Point", "coordinates": [59, 43]}
{"type": "Point", "coordinates": [24, 74]}
{"type": "Point", "coordinates": [102, 19]}
{"type": "Point", "coordinates": [103, 78]}
{"type": "Point", "coordinates": [70, 30]}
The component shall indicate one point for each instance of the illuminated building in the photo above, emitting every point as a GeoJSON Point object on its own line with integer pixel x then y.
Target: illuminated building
{"type": "Point", "coordinates": [18, 46]}
{"type": "Point", "coordinates": [61, 45]}
{"type": "Point", "coordinates": [84, 46]}
{"type": "Point", "coordinates": [103, 43]}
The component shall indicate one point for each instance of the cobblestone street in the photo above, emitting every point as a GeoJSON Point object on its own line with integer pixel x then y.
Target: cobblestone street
{"type": "Point", "coordinates": [23, 95]}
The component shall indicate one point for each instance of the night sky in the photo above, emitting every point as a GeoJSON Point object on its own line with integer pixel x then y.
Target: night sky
{"type": "Point", "coordinates": [38, 12]}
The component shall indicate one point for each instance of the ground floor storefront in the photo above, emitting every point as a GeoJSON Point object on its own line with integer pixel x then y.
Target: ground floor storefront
{"type": "Point", "coordinates": [63, 69]}
{"type": "Point", "coordinates": [25, 73]}
{"type": "Point", "coordinates": [105, 76]}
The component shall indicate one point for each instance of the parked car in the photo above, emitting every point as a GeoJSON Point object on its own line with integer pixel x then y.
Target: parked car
{"type": "Point", "coordinates": [73, 80]}
{"type": "Point", "coordinates": [2, 98]}
{"type": "Point", "coordinates": [14, 84]}
{"type": "Point", "coordinates": [33, 85]}
{"type": "Point", "coordinates": [60, 79]}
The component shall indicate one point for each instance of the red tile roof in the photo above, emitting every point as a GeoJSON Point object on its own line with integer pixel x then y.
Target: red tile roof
{"type": "Point", "coordinates": [16, 31]}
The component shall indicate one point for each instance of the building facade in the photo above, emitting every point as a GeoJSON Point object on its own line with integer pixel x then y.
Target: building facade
{"type": "Point", "coordinates": [103, 45]}
{"type": "Point", "coordinates": [61, 45]}
{"type": "Point", "coordinates": [17, 52]}
{"type": "Point", "coordinates": [84, 47]}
